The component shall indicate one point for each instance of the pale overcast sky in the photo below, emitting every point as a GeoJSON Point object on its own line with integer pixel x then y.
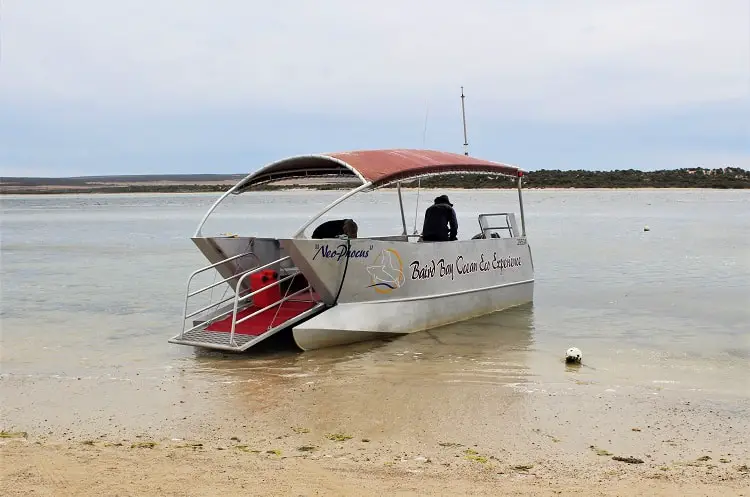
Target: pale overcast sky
{"type": "Point", "coordinates": [158, 86]}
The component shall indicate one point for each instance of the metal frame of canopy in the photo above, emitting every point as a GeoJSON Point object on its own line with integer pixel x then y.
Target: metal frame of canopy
{"type": "Point", "coordinates": [374, 169]}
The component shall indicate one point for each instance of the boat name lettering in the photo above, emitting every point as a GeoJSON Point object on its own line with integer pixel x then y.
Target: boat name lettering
{"type": "Point", "coordinates": [439, 268]}
{"type": "Point", "coordinates": [462, 266]}
{"type": "Point", "coordinates": [504, 262]}
{"type": "Point", "coordinates": [339, 252]}
{"type": "Point", "coordinates": [419, 272]}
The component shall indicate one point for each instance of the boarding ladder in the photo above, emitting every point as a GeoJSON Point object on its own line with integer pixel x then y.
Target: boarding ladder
{"type": "Point", "coordinates": [227, 315]}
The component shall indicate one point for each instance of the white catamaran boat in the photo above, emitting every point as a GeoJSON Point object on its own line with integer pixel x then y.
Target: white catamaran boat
{"type": "Point", "coordinates": [343, 290]}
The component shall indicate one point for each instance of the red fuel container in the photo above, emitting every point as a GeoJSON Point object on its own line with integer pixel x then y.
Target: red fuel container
{"type": "Point", "coordinates": [269, 295]}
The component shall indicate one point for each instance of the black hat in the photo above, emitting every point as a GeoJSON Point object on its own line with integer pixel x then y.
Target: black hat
{"type": "Point", "coordinates": [443, 199]}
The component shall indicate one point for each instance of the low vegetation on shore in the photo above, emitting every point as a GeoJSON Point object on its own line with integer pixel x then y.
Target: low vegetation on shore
{"type": "Point", "coordinates": [630, 178]}
{"type": "Point", "coordinates": [725, 178]}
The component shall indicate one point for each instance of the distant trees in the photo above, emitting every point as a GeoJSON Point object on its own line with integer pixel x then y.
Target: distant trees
{"type": "Point", "coordinates": [730, 177]}
{"type": "Point", "coordinates": [726, 178]}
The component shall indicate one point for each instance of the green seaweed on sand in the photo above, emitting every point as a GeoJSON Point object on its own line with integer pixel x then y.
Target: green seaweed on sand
{"type": "Point", "coordinates": [143, 445]}
{"type": "Point", "coordinates": [600, 452]}
{"type": "Point", "coordinates": [523, 467]}
{"type": "Point", "coordinates": [338, 437]}
{"type": "Point", "coordinates": [245, 448]}
{"type": "Point", "coordinates": [193, 446]}
{"type": "Point", "coordinates": [13, 434]}
{"type": "Point", "coordinates": [551, 437]}
{"type": "Point", "coordinates": [449, 444]}
{"type": "Point", "coordinates": [629, 459]}
{"type": "Point", "coordinates": [299, 429]}
{"type": "Point", "coordinates": [473, 455]}
{"type": "Point", "coordinates": [275, 452]}
{"type": "Point", "coordinates": [306, 448]}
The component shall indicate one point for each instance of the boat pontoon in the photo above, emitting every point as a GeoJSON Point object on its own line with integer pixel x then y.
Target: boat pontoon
{"type": "Point", "coordinates": [343, 290]}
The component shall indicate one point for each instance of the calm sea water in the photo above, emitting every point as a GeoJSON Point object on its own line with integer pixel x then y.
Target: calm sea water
{"type": "Point", "coordinates": [93, 286]}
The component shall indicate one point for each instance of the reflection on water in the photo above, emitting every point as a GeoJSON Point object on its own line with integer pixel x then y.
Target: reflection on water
{"type": "Point", "coordinates": [439, 383]}
{"type": "Point", "coordinates": [490, 349]}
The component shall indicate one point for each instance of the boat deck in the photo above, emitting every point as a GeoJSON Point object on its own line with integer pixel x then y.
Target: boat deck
{"type": "Point", "coordinates": [261, 323]}
{"type": "Point", "coordinates": [255, 329]}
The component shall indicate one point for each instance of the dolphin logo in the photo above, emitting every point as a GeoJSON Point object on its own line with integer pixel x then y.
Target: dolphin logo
{"type": "Point", "coordinates": [387, 272]}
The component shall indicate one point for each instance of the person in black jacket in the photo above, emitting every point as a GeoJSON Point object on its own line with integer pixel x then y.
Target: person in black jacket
{"type": "Point", "coordinates": [336, 228]}
{"type": "Point", "coordinates": [440, 223]}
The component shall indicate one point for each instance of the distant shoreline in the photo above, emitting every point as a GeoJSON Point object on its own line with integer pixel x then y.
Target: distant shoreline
{"type": "Point", "coordinates": [187, 190]}
{"type": "Point", "coordinates": [726, 178]}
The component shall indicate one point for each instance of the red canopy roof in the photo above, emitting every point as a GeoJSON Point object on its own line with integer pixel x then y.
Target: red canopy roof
{"type": "Point", "coordinates": [379, 167]}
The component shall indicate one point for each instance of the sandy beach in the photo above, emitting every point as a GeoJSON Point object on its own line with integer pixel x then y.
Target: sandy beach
{"type": "Point", "coordinates": [179, 468]}
{"type": "Point", "coordinates": [370, 422]}
{"type": "Point", "coordinates": [311, 440]}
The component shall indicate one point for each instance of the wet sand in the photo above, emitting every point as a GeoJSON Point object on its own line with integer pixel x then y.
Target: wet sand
{"type": "Point", "coordinates": [377, 418]}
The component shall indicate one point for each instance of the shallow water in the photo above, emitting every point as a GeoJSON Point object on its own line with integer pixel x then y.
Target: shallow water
{"type": "Point", "coordinates": [93, 286]}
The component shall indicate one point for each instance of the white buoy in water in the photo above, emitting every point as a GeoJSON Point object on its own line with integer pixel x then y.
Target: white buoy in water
{"type": "Point", "coordinates": [573, 355]}
{"type": "Point", "coordinates": [646, 228]}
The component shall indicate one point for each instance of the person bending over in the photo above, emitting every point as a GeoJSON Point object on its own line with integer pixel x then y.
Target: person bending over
{"type": "Point", "coordinates": [440, 223]}
{"type": "Point", "coordinates": [336, 228]}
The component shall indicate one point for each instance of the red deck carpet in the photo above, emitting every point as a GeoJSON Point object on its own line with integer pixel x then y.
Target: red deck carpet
{"type": "Point", "coordinates": [261, 323]}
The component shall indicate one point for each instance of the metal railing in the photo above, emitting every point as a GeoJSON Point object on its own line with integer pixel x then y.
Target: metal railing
{"type": "Point", "coordinates": [278, 303]}
{"type": "Point", "coordinates": [238, 298]}
{"type": "Point", "coordinates": [509, 223]}
{"type": "Point", "coordinates": [189, 294]}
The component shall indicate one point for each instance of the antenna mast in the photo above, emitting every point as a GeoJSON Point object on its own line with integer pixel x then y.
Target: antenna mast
{"type": "Point", "coordinates": [463, 114]}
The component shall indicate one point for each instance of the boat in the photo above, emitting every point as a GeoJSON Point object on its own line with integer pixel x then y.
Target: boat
{"type": "Point", "coordinates": [342, 290]}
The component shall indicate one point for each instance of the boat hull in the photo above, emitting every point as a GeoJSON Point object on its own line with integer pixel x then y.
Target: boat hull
{"type": "Point", "coordinates": [377, 288]}
{"type": "Point", "coordinates": [356, 322]}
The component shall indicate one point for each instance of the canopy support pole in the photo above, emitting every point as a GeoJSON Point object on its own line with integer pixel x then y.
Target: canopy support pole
{"type": "Point", "coordinates": [401, 204]}
{"type": "Point", "coordinates": [198, 233]}
{"type": "Point", "coordinates": [331, 206]}
{"type": "Point", "coordinates": [520, 203]}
